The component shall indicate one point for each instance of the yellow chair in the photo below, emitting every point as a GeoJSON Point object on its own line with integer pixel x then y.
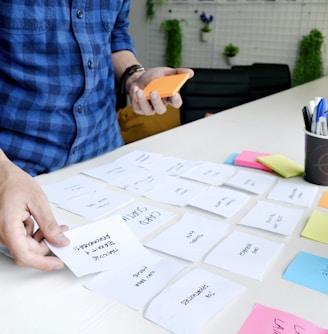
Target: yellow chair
{"type": "Point", "coordinates": [135, 127]}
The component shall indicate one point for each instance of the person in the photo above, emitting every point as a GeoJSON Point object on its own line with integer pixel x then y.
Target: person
{"type": "Point", "coordinates": [59, 64]}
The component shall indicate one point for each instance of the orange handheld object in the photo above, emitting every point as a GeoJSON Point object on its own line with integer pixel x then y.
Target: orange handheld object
{"type": "Point", "coordinates": [166, 86]}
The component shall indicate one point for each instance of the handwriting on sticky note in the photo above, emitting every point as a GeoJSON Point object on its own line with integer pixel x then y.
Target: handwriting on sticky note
{"type": "Point", "coordinates": [273, 217]}
{"type": "Point", "coordinates": [143, 218]}
{"type": "Point", "coordinates": [250, 181]}
{"type": "Point", "coordinates": [221, 201]}
{"type": "Point", "coordinates": [99, 246]}
{"type": "Point", "coordinates": [96, 204]}
{"type": "Point", "coordinates": [294, 193]}
{"type": "Point", "coordinates": [266, 320]}
{"type": "Point", "coordinates": [186, 305]}
{"type": "Point", "coordinates": [244, 254]}
{"type": "Point", "coordinates": [210, 173]}
{"type": "Point", "coordinates": [189, 238]}
{"type": "Point", "coordinates": [176, 191]}
{"type": "Point", "coordinates": [136, 283]}
{"type": "Point", "coordinates": [72, 187]}
{"type": "Point", "coordinates": [309, 270]}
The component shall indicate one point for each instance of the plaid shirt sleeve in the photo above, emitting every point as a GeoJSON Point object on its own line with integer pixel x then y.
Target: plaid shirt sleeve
{"type": "Point", "coordinates": [57, 88]}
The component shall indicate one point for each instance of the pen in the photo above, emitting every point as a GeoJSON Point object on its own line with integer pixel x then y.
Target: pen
{"type": "Point", "coordinates": [307, 118]}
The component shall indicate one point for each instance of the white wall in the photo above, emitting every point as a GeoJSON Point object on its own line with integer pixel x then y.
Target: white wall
{"type": "Point", "coordinates": [138, 28]}
{"type": "Point", "coordinates": [265, 31]}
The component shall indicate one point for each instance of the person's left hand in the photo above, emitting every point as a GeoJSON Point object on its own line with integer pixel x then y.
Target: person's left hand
{"type": "Point", "coordinates": [156, 105]}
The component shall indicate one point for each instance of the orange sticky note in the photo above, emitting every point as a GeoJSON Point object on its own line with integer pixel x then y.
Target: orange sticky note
{"type": "Point", "coordinates": [166, 86]}
{"type": "Point", "coordinates": [323, 203]}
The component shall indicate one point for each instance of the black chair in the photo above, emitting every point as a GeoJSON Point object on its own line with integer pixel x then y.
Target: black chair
{"type": "Point", "coordinates": [266, 79]}
{"type": "Point", "coordinates": [212, 90]}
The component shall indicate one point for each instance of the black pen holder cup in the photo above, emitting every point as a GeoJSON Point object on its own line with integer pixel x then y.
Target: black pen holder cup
{"type": "Point", "coordinates": [316, 159]}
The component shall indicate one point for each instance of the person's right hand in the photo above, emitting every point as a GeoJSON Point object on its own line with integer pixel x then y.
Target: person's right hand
{"type": "Point", "coordinates": [21, 198]}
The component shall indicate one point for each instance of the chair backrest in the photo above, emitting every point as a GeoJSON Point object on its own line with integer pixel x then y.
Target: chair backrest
{"type": "Point", "coordinates": [266, 79]}
{"type": "Point", "coordinates": [212, 90]}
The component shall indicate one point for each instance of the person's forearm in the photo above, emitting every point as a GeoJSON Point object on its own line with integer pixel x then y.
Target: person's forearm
{"type": "Point", "coordinates": [123, 60]}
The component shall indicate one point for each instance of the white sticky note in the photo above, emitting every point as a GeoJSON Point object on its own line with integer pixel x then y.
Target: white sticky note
{"type": "Point", "coordinates": [244, 254]}
{"type": "Point", "coordinates": [136, 283]}
{"type": "Point", "coordinates": [74, 186]}
{"type": "Point", "coordinates": [143, 218]}
{"type": "Point", "coordinates": [256, 183]}
{"type": "Point", "coordinates": [209, 172]}
{"type": "Point", "coordinates": [221, 201]}
{"type": "Point", "coordinates": [139, 158]}
{"type": "Point", "coordinates": [110, 172]}
{"type": "Point", "coordinates": [176, 191]}
{"type": "Point", "coordinates": [102, 245]}
{"type": "Point", "coordinates": [273, 217]}
{"type": "Point", "coordinates": [96, 204]}
{"type": "Point", "coordinates": [294, 193]}
{"type": "Point", "coordinates": [186, 306]}
{"type": "Point", "coordinates": [189, 238]}
{"type": "Point", "coordinates": [140, 181]}
{"type": "Point", "coordinates": [173, 166]}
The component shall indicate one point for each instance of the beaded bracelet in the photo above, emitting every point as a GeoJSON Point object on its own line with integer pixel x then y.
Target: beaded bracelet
{"type": "Point", "coordinates": [127, 73]}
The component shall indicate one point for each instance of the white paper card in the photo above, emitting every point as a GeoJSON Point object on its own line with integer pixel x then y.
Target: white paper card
{"type": "Point", "coordinates": [135, 284]}
{"type": "Point", "coordinates": [143, 218]}
{"type": "Point", "coordinates": [244, 254]}
{"type": "Point", "coordinates": [140, 181]}
{"type": "Point", "coordinates": [139, 158]}
{"type": "Point", "coordinates": [186, 306]}
{"type": "Point", "coordinates": [190, 238]}
{"type": "Point", "coordinates": [293, 193]}
{"type": "Point", "coordinates": [173, 166]}
{"type": "Point", "coordinates": [273, 217]}
{"type": "Point", "coordinates": [109, 172]}
{"type": "Point", "coordinates": [209, 172]}
{"type": "Point", "coordinates": [74, 186]}
{"type": "Point", "coordinates": [99, 246]}
{"type": "Point", "coordinates": [176, 191]}
{"type": "Point", "coordinates": [250, 181]}
{"type": "Point", "coordinates": [96, 204]}
{"type": "Point", "coordinates": [221, 201]}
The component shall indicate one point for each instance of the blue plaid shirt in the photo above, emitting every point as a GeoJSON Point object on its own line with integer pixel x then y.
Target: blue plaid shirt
{"type": "Point", "coordinates": [57, 88]}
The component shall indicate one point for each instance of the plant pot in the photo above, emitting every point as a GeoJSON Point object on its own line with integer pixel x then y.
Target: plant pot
{"type": "Point", "coordinates": [205, 36]}
{"type": "Point", "coordinates": [231, 61]}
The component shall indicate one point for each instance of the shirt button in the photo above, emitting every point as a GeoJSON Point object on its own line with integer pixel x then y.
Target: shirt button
{"type": "Point", "coordinates": [79, 14]}
{"type": "Point", "coordinates": [79, 108]}
{"type": "Point", "coordinates": [90, 64]}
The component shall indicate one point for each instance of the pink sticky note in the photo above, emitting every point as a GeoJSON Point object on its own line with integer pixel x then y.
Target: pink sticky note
{"type": "Point", "coordinates": [248, 159]}
{"type": "Point", "coordinates": [264, 320]}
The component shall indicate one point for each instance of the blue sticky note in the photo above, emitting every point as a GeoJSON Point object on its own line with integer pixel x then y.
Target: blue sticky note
{"type": "Point", "coordinates": [310, 271]}
{"type": "Point", "coordinates": [231, 158]}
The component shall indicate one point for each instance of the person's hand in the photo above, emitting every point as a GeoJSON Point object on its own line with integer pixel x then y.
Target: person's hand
{"type": "Point", "coordinates": [21, 198]}
{"type": "Point", "coordinates": [157, 105]}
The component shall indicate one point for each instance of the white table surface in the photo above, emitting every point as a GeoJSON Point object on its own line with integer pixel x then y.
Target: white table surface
{"type": "Point", "coordinates": [38, 302]}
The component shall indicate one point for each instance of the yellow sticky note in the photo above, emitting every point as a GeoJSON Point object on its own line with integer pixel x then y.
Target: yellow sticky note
{"type": "Point", "coordinates": [323, 203]}
{"type": "Point", "coordinates": [317, 227]}
{"type": "Point", "coordinates": [281, 165]}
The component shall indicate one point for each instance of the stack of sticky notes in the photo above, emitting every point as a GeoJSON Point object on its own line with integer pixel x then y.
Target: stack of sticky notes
{"type": "Point", "coordinates": [268, 162]}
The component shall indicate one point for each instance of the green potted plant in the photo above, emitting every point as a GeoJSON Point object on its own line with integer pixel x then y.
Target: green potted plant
{"type": "Point", "coordinates": [309, 64]}
{"type": "Point", "coordinates": [173, 36]}
{"type": "Point", "coordinates": [230, 52]}
{"type": "Point", "coordinates": [150, 8]}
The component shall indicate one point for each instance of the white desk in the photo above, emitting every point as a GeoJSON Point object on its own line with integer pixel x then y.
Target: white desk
{"type": "Point", "coordinates": [38, 302]}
